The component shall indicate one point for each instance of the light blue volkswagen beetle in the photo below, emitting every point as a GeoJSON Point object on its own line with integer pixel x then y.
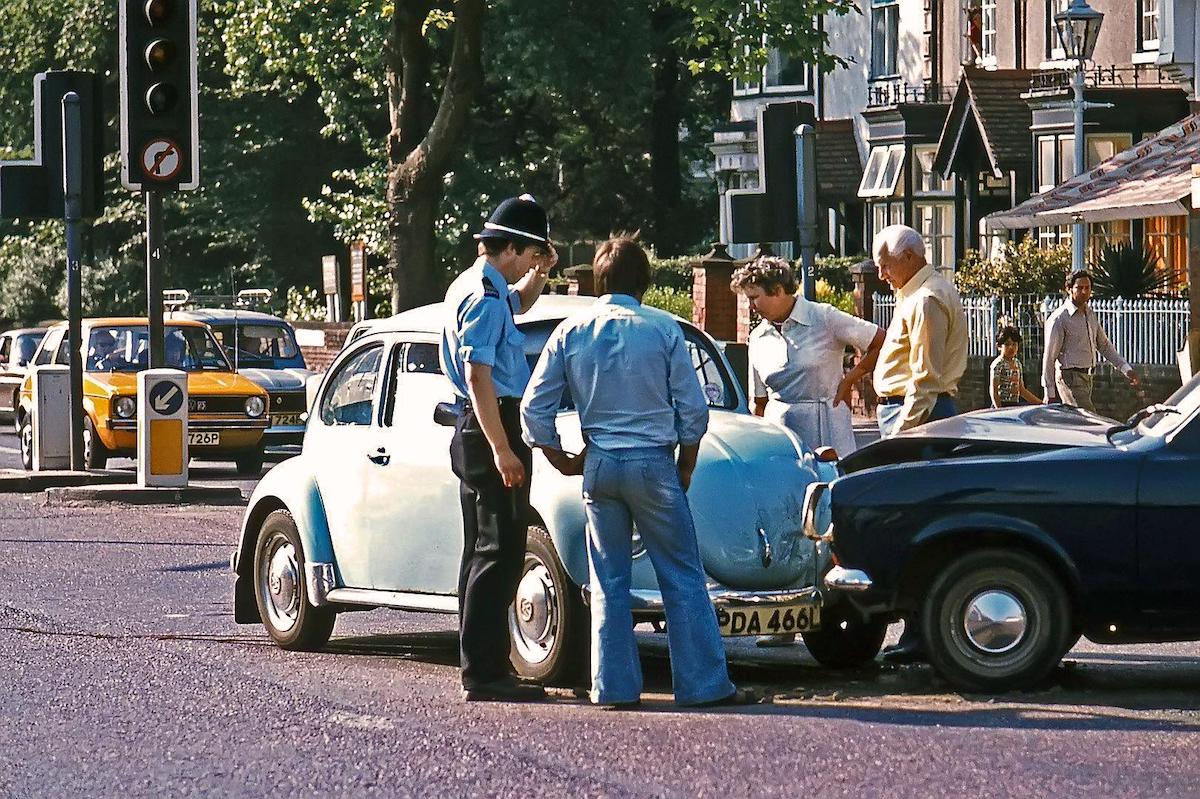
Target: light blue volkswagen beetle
{"type": "Point", "coordinates": [368, 514]}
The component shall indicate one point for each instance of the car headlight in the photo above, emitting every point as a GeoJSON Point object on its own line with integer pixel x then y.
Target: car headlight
{"type": "Point", "coordinates": [255, 407]}
{"type": "Point", "coordinates": [125, 407]}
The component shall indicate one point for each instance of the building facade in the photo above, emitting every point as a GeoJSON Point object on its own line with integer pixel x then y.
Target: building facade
{"type": "Point", "coordinates": [960, 109]}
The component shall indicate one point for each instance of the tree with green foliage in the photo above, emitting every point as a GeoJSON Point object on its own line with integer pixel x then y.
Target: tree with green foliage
{"type": "Point", "coordinates": [424, 58]}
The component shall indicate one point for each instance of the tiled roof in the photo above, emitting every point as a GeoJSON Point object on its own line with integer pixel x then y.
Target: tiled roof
{"type": "Point", "coordinates": [1151, 178]}
{"type": "Point", "coordinates": [990, 101]}
{"type": "Point", "coordinates": [839, 167]}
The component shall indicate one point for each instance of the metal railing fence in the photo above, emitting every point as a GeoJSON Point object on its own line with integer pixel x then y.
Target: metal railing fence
{"type": "Point", "coordinates": [1148, 331]}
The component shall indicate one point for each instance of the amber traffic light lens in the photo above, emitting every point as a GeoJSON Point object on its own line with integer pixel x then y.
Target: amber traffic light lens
{"type": "Point", "coordinates": [160, 53]}
{"type": "Point", "coordinates": [158, 11]}
{"type": "Point", "coordinates": [161, 98]}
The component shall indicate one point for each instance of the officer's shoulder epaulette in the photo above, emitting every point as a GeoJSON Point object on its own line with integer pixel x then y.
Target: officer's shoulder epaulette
{"type": "Point", "coordinates": [489, 290]}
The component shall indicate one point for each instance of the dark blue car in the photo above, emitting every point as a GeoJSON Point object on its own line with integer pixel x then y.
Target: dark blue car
{"type": "Point", "coordinates": [1010, 533]}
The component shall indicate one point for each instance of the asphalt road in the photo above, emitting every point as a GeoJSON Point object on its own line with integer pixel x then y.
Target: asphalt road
{"type": "Point", "coordinates": [199, 472]}
{"type": "Point", "coordinates": [123, 674]}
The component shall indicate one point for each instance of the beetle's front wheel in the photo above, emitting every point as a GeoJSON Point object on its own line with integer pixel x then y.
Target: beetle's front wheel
{"type": "Point", "coordinates": [280, 590]}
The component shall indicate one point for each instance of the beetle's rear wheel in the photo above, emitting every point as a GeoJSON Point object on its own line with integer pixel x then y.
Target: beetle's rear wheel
{"type": "Point", "coordinates": [548, 624]}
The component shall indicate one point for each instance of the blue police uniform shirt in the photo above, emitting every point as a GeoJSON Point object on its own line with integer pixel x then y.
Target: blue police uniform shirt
{"type": "Point", "coordinates": [629, 373]}
{"type": "Point", "coordinates": [479, 329]}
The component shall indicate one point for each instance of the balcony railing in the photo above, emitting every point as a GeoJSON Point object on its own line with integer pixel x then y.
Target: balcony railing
{"type": "Point", "coordinates": [898, 92]}
{"type": "Point", "coordinates": [1138, 76]}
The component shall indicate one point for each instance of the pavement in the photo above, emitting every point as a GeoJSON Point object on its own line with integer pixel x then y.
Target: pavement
{"type": "Point", "coordinates": [125, 675]}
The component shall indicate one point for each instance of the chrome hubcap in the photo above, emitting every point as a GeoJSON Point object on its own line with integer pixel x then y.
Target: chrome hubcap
{"type": "Point", "coordinates": [279, 583]}
{"type": "Point", "coordinates": [995, 621]}
{"type": "Point", "coordinates": [533, 619]}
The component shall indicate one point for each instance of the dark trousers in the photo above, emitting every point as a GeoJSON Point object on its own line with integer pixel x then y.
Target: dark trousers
{"type": "Point", "coordinates": [495, 520]}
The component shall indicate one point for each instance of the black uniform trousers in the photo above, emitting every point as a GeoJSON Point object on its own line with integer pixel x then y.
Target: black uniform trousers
{"type": "Point", "coordinates": [495, 521]}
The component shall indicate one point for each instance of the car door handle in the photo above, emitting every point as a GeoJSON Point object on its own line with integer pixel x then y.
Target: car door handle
{"type": "Point", "coordinates": [380, 456]}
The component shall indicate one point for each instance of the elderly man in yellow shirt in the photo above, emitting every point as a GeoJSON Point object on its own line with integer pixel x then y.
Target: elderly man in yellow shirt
{"type": "Point", "coordinates": [923, 357]}
{"type": "Point", "coordinates": [924, 353]}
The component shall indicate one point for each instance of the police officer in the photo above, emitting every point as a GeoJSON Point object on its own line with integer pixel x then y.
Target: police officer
{"type": "Point", "coordinates": [483, 356]}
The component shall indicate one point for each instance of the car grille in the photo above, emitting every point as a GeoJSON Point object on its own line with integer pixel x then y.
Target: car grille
{"type": "Point", "coordinates": [220, 404]}
{"type": "Point", "coordinates": [288, 402]}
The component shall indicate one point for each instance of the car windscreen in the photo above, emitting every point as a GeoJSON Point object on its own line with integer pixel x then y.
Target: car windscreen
{"type": "Point", "coordinates": [256, 343]}
{"type": "Point", "coordinates": [1186, 400]}
{"type": "Point", "coordinates": [24, 347]}
{"type": "Point", "coordinates": [125, 348]}
{"type": "Point", "coordinates": [714, 378]}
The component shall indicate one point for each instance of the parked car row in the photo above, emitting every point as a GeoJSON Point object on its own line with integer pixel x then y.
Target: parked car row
{"type": "Point", "coordinates": [1005, 534]}
{"type": "Point", "coordinates": [245, 383]}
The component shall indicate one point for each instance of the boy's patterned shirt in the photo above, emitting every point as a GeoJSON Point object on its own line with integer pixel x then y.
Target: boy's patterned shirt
{"type": "Point", "coordinates": [1006, 377]}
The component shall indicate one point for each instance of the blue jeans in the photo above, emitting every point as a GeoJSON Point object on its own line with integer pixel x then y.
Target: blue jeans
{"type": "Point", "coordinates": [642, 486]}
{"type": "Point", "coordinates": [889, 415]}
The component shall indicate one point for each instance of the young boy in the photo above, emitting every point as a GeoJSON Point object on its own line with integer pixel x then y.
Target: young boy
{"type": "Point", "coordinates": [1008, 385]}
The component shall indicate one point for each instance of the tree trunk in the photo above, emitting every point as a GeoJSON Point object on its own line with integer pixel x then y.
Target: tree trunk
{"type": "Point", "coordinates": [666, 182]}
{"type": "Point", "coordinates": [424, 140]}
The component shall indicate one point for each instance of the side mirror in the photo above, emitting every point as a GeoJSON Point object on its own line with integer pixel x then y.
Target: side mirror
{"type": "Point", "coordinates": [445, 414]}
{"type": "Point", "coordinates": [312, 387]}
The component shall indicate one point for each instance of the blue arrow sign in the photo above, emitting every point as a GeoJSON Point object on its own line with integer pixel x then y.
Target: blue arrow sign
{"type": "Point", "coordinates": [166, 398]}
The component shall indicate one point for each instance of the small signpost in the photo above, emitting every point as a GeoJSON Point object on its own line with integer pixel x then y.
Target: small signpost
{"type": "Point", "coordinates": [331, 281]}
{"type": "Point", "coordinates": [358, 279]}
{"type": "Point", "coordinates": [162, 426]}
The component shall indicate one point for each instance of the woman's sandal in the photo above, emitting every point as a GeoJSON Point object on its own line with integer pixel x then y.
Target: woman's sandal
{"type": "Point", "coordinates": [740, 696]}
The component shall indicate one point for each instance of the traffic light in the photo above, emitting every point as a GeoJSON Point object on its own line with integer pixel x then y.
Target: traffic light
{"type": "Point", "coordinates": [33, 189]}
{"type": "Point", "coordinates": [160, 141]}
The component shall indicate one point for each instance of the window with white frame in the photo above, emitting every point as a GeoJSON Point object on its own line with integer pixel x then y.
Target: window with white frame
{"type": "Point", "coordinates": [782, 73]}
{"type": "Point", "coordinates": [1147, 16]}
{"type": "Point", "coordinates": [935, 223]}
{"type": "Point", "coordinates": [988, 34]}
{"type": "Point", "coordinates": [1054, 48]}
{"type": "Point", "coordinates": [1056, 155]}
{"type": "Point", "coordinates": [885, 37]}
{"type": "Point", "coordinates": [885, 165]}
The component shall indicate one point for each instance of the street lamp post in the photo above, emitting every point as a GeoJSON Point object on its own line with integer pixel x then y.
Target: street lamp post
{"type": "Point", "coordinates": [1078, 28]}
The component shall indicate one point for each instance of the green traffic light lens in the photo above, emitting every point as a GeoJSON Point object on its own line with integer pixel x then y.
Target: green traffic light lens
{"type": "Point", "coordinates": [160, 53]}
{"type": "Point", "coordinates": [158, 11]}
{"type": "Point", "coordinates": [161, 98]}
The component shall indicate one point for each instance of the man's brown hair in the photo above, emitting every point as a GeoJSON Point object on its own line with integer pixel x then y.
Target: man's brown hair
{"type": "Point", "coordinates": [621, 267]}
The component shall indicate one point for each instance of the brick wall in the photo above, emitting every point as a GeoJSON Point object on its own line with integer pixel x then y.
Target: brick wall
{"type": "Point", "coordinates": [1113, 395]}
{"type": "Point", "coordinates": [320, 342]}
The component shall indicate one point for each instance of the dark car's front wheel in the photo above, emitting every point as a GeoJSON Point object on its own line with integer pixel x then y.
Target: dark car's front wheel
{"type": "Point", "coordinates": [996, 620]}
{"type": "Point", "coordinates": [845, 640]}
{"type": "Point", "coordinates": [548, 623]}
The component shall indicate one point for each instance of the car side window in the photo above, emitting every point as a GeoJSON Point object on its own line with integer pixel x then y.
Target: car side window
{"type": "Point", "coordinates": [717, 390]}
{"type": "Point", "coordinates": [422, 357]}
{"type": "Point", "coordinates": [349, 394]}
{"type": "Point", "coordinates": [61, 355]}
{"type": "Point", "coordinates": [49, 347]}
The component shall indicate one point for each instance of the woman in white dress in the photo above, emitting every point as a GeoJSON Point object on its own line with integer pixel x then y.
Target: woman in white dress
{"type": "Point", "coordinates": [796, 354]}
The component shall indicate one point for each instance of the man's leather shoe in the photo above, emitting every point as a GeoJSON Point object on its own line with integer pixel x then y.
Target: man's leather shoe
{"type": "Point", "coordinates": [505, 691]}
{"type": "Point", "coordinates": [904, 653]}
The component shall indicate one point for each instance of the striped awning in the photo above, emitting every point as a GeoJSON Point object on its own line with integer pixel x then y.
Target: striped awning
{"type": "Point", "coordinates": [1152, 178]}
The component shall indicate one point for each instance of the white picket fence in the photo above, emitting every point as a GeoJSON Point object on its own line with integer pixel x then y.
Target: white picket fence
{"type": "Point", "coordinates": [1145, 331]}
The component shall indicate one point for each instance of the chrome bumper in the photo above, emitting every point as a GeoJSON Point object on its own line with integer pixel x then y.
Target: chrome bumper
{"type": "Point", "coordinates": [198, 424]}
{"type": "Point", "coordinates": [645, 601]}
{"type": "Point", "coordinates": [849, 580]}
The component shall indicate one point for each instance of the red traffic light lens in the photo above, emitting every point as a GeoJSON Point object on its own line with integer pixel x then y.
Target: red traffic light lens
{"type": "Point", "coordinates": [158, 11]}
{"type": "Point", "coordinates": [160, 53]}
{"type": "Point", "coordinates": [161, 98]}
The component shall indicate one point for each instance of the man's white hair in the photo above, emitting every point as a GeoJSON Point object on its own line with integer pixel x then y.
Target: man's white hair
{"type": "Point", "coordinates": [897, 240]}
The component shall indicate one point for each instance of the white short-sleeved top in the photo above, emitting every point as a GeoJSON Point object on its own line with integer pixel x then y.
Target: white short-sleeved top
{"type": "Point", "coordinates": [803, 359]}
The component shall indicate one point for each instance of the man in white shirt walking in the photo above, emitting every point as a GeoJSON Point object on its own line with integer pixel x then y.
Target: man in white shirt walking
{"type": "Point", "coordinates": [1073, 337]}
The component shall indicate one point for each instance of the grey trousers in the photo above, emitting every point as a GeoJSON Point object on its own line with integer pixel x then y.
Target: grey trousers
{"type": "Point", "coordinates": [1075, 388]}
